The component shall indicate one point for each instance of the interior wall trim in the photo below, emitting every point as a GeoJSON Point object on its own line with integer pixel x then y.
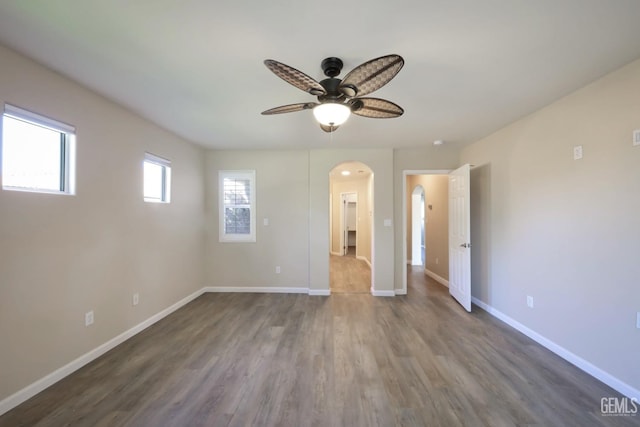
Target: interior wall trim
{"type": "Point", "coordinates": [258, 289]}
{"type": "Point", "coordinates": [36, 387]}
{"type": "Point", "coordinates": [363, 258]}
{"type": "Point", "coordinates": [436, 277]}
{"type": "Point", "coordinates": [570, 357]}
{"type": "Point", "coordinates": [378, 293]}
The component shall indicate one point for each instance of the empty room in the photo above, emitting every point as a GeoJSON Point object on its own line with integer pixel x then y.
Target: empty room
{"type": "Point", "coordinates": [332, 214]}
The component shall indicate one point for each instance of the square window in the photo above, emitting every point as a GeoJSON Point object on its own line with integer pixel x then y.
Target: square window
{"type": "Point", "coordinates": [237, 200]}
{"type": "Point", "coordinates": [37, 152]}
{"type": "Point", "coordinates": [157, 179]}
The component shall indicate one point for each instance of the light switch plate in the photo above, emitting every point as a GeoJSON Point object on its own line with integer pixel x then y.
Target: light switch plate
{"type": "Point", "coordinates": [577, 152]}
{"type": "Point", "coordinates": [88, 318]}
{"type": "Point", "coordinates": [387, 223]}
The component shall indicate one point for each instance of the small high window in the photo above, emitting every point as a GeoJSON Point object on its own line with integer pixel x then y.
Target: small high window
{"type": "Point", "coordinates": [237, 201]}
{"type": "Point", "coordinates": [157, 179]}
{"type": "Point", "coordinates": [38, 153]}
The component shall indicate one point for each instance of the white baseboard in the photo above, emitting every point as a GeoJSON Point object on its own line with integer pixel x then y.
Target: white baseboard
{"type": "Point", "coordinates": [436, 277]}
{"type": "Point", "coordinates": [268, 290]}
{"type": "Point", "coordinates": [400, 291]}
{"type": "Point", "coordinates": [377, 293]}
{"type": "Point", "coordinates": [570, 357]}
{"type": "Point", "coordinates": [34, 388]}
{"type": "Point", "coordinates": [257, 289]}
{"type": "Point", "coordinates": [361, 258]}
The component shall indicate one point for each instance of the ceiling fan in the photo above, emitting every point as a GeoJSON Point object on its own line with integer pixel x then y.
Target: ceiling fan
{"type": "Point", "coordinates": [337, 98]}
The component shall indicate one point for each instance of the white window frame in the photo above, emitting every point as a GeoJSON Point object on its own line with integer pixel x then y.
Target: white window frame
{"type": "Point", "coordinates": [225, 237]}
{"type": "Point", "coordinates": [68, 148]}
{"type": "Point", "coordinates": [166, 178]}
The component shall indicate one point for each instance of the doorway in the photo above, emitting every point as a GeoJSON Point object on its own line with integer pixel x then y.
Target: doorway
{"type": "Point", "coordinates": [425, 225]}
{"type": "Point", "coordinates": [350, 228]}
{"type": "Point", "coordinates": [417, 226]}
{"type": "Point", "coordinates": [349, 217]}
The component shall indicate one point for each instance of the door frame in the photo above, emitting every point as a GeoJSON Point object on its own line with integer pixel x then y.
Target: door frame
{"type": "Point", "coordinates": [344, 245]}
{"type": "Point", "coordinates": [418, 221]}
{"type": "Point", "coordinates": [405, 173]}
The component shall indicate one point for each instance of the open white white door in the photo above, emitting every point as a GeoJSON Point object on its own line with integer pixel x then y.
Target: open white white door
{"type": "Point", "coordinates": [460, 237]}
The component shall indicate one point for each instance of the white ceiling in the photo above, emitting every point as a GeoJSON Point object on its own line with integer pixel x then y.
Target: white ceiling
{"type": "Point", "coordinates": [195, 67]}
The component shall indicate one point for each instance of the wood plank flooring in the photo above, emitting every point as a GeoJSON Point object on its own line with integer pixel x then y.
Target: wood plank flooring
{"type": "Point", "coordinates": [343, 360]}
{"type": "Point", "coordinates": [349, 275]}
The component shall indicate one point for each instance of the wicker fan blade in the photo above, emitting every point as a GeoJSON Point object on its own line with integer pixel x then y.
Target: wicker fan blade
{"type": "Point", "coordinates": [291, 108]}
{"type": "Point", "coordinates": [329, 129]}
{"type": "Point", "coordinates": [295, 77]}
{"type": "Point", "coordinates": [376, 108]}
{"type": "Point", "coordinates": [371, 75]}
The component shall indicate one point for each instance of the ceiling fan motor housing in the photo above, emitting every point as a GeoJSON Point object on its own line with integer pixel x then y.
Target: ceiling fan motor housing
{"type": "Point", "coordinates": [331, 66]}
{"type": "Point", "coordinates": [331, 85]}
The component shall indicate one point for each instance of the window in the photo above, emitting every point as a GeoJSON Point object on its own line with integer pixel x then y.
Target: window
{"type": "Point", "coordinates": [37, 152]}
{"type": "Point", "coordinates": [157, 179]}
{"type": "Point", "coordinates": [237, 201]}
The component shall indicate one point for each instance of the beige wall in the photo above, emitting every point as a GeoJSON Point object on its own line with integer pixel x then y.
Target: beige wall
{"type": "Point", "coordinates": [282, 196]}
{"type": "Point", "coordinates": [363, 236]}
{"type": "Point", "coordinates": [293, 192]}
{"type": "Point", "coordinates": [436, 188]}
{"type": "Point", "coordinates": [61, 256]}
{"type": "Point", "coordinates": [366, 216]}
{"type": "Point", "coordinates": [293, 189]}
{"type": "Point", "coordinates": [565, 231]}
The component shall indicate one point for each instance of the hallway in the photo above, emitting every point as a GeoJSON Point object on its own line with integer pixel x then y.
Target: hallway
{"type": "Point", "coordinates": [349, 275]}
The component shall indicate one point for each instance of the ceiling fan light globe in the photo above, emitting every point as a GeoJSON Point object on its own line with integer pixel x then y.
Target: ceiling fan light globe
{"type": "Point", "coordinates": [331, 114]}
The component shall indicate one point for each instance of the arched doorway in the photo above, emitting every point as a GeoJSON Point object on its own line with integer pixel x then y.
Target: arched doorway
{"type": "Point", "coordinates": [417, 226]}
{"type": "Point", "coordinates": [351, 228]}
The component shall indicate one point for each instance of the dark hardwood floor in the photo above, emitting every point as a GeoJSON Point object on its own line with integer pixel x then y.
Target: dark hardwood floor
{"type": "Point", "coordinates": [343, 360]}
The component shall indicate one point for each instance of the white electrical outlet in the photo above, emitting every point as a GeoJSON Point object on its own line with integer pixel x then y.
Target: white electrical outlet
{"type": "Point", "coordinates": [278, 269]}
{"type": "Point", "coordinates": [636, 137]}
{"type": "Point", "coordinates": [638, 320]}
{"type": "Point", "coordinates": [265, 221]}
{"type": "Point", "coordinates": [88, 318]}
{"type": "Point", "coordinates": [577, 152]}
{"type": "Point", "coordinates": [136, 299]}
{"type": "Point", "coordinates": [529, 301]}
